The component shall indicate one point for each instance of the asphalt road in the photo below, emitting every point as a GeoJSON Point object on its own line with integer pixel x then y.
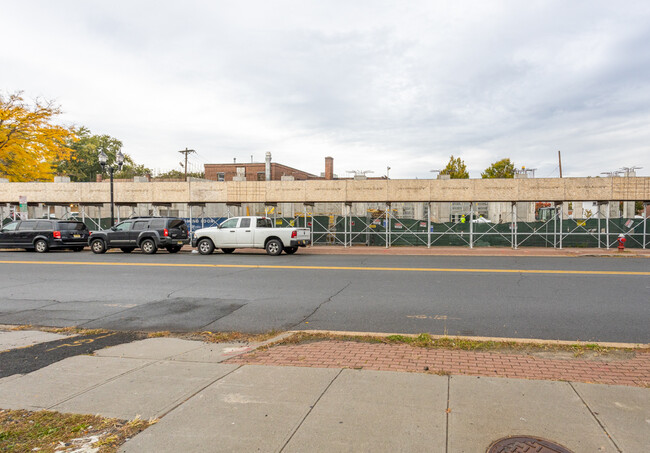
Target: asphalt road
{"type": "Point", "coordinates": [25, 360]}
{"type": "Point", "coordinates": [591, 299]}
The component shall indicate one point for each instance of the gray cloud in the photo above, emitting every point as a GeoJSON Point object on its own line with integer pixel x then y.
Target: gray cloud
{"type": "Point", "coordinates": [370, 83]}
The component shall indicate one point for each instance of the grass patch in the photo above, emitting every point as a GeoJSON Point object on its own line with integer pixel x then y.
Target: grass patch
{"type": "Point", "coordinates": [47, 431]}
{"type": "Point", "coordinates": [236, 337]}
{"type": "Point", "coordinates": [425, 340]}
{"type": "Point", "coordinates": [212, 337]}
{"type": "Point", "coordinates": [26, 327]}
{"type": "Point", "coordinates": [73, 330]}
{"type": "Point", "coordinates": [163, 334]}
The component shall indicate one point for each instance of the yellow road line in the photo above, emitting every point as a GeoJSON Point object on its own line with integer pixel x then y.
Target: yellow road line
{"type": "Point", "coordinates": [334, 268]}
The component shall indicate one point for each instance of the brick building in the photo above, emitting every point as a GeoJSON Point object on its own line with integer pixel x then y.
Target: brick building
{"type": "Point", "coordinates": [253, 172]}
{"type": "Point", "coordinates": [257, 171]}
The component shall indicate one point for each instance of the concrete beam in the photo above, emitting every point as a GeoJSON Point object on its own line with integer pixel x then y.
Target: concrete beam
{"type": "Point", "coordinates": [347, 191]}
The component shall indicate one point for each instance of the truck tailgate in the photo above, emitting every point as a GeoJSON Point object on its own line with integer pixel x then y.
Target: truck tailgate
{"type": "Point", "coordinates": [302, 234]}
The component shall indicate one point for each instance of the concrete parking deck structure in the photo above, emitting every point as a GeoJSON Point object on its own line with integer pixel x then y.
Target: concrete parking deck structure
{"type": "Point", "coordinates": [347, 191]}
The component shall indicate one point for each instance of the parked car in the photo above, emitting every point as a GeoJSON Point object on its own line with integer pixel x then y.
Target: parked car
{"type": "Point", "coordinates": [250, 232]}
{"type": "Point", "coordinates": [42, 235]}
{"type": "Point", "coordinates": [147, 233]}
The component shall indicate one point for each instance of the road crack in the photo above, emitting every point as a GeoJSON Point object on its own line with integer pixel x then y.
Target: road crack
{"type": "Point", "coordinates": [329, 299]}
{"type": "Point", "coordinates": [519, 280]}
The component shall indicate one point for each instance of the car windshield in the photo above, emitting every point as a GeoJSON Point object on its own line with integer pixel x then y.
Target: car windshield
{"type": "Point", "coordinates": [10, 226]}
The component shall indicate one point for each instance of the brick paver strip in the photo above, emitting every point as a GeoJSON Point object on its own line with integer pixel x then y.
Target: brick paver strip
{"type": "Point", "coordinates": [348, 354]}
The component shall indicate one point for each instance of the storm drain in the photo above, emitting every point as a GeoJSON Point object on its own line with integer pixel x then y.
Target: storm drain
{"type": "Point", "coordinates": [526, 444]}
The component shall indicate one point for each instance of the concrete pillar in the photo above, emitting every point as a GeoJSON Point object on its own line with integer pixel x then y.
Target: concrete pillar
{"type": "Point", "coordinates": [287, 208]}
{"type": "Point", "coordinates": [628, 210]}
{"type": "Point", "coordinates": [628, 206]}
{"type": "Point", "coordinates": [577, 211]}
{"type": "Point", "coordinates": [613, 210]}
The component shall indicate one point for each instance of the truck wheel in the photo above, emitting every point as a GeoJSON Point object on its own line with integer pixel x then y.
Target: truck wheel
{"type": "Point", "coordinates": [205, 246]}
{"type": "Point", "coordinates": [274, 247]}
{"type": "Point", "coordinates": [148, 246]}
{"type": "Point", "coordinates": [40, 246]}
{"type": "Point", "coordinates": [173, 249]}
{"type": "Point", "coordinates": [98, 246]}
{"type": "Point", "coordinates": [227, 250]}
{"type": "Point", "coordinates": [290, 250]}
{"type": "Point", "coordinates": [127, 249]}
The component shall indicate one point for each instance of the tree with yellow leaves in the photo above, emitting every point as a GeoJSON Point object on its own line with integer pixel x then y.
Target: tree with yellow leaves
{"type": "Point", "coordinates": [30, 145]}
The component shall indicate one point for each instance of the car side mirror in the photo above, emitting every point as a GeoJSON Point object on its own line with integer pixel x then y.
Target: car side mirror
{"type": "Point", "coordinates": [113, 229]}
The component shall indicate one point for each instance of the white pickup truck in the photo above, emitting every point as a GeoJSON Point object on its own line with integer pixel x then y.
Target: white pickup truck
{"type": "Point", "coordinates": [250, 232]}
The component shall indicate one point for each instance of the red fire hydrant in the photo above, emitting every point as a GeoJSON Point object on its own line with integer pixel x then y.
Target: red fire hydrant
{"type": "Point", "coordinates": [621, 242]}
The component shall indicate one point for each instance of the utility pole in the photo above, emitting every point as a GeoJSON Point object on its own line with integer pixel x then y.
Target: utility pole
{"type": "Point", "coordinates": [559, 158]}
{"type": "Point", "coordinates": [186, 152]}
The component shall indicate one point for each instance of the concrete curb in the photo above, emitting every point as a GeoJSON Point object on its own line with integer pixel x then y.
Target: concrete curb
{"type": "Point", "coordinates": [534, 252]}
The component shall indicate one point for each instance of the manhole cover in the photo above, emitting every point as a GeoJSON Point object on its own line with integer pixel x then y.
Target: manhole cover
{"type": "Point", "coordinates": [526, 444]}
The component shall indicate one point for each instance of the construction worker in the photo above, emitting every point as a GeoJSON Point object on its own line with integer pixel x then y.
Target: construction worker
{"type": "Point", "coordinates": [462, 218]}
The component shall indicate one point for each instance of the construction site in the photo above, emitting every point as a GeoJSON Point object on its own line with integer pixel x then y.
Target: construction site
{"type": "Point", "coordinates": [358, 210]}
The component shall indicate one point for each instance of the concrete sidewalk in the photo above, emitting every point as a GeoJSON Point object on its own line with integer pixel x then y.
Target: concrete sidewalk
{"type": "Point", "coordinates": [208, 398]}
{"type": "Point", "coordinates": [459, 251]}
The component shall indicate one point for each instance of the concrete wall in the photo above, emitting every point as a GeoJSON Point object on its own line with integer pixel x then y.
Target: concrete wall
{"type": "Point", "coordinates": [520, 190]}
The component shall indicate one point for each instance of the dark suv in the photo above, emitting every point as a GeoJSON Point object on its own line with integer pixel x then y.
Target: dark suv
{"type": "Point", "coordinates": [43, 235]}
{"type": "Point", "coordinates": [148, 233]}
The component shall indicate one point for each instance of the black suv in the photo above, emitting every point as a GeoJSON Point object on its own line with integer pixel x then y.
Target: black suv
{"type": "Point", "coordinates": [42, 235]}
{"type": "Point", "coordinates": [148, 233]}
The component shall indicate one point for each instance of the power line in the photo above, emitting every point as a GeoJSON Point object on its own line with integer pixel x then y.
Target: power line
{"type": "Point", "coordinates": [552, 172]}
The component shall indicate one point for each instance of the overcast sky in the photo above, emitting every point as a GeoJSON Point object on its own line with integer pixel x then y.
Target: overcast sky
{"type": "Point", "coordinates": [370, 83]}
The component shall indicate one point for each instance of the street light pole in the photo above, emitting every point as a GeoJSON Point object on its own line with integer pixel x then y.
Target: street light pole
{"type": "Point", "coordinates": [110, 171]}
{"type": "Point", "coordinates": [119, 160]}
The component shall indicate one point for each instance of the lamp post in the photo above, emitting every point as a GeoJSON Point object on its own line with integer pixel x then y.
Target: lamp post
{"type": "Point", "coordinates": [119, 160]}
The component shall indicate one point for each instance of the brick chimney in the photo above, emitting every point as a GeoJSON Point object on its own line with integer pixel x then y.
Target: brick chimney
{"type": "Point", "coordinates": [329, 168]}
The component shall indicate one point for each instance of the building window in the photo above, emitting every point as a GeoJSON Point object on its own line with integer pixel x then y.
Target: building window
{"type": "Point", "coordinates": [261, 176]}
{"type": "Point", "coordinates": [221, 176]}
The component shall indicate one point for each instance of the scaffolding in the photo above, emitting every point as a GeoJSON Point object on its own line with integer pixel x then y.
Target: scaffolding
{"type": "Point", "coordinates": [358, 224]}
{"type": "Point", "coordinates": [388, 230]}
